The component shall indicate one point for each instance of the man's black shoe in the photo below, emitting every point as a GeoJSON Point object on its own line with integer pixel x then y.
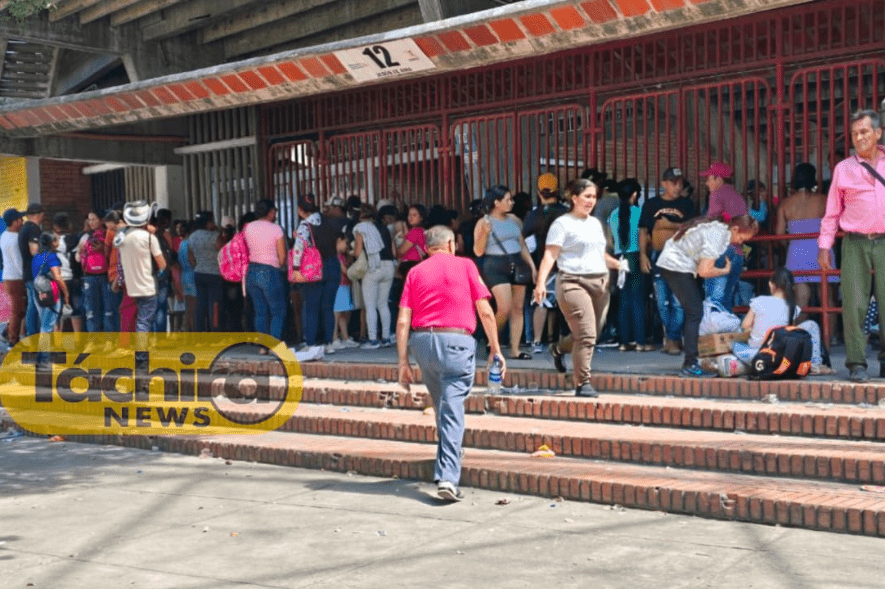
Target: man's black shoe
{"type": "Point", "coordinates": [586, 390]}
{"type": "Point", "coordinates": [558, 360]}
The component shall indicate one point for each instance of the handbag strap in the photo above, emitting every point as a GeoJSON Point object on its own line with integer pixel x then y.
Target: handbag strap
{"type": "Point", "coordinates": [498, 241]}
{"type": "Point", "coordinates": [873, 171]}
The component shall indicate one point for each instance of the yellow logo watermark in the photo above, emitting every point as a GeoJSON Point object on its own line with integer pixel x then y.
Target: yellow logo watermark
{"type": "Point", "coordinates": [150, 384]}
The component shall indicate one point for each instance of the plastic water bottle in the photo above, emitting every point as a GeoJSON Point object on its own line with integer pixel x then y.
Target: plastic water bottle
{"type": "Point", "coordinates": [495, 366]}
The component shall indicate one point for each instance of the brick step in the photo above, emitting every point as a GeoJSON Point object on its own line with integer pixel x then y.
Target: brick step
{"type": "Point", "coordinates": [795, 419]}
{"type": "Point", "coordinates": [860, 462]}
{"type": "Point", "coordinates": [812, 389]}
{"type": "Point", "coordinates": [798, 503]}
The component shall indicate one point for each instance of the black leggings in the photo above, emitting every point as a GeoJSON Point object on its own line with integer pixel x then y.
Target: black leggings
{"type": "Point", "coordinates": [690, 295]}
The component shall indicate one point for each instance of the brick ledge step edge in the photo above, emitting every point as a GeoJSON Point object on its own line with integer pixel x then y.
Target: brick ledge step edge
{"type": "Point", "coordinates": [806, 390]}
{"type": "Point", "coordinates": [811, 505]}
{"type": "Point", "coordinates": [838, 421]}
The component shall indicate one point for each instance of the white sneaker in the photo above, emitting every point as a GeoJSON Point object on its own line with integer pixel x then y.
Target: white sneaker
{"type": "Point", "coordinates": [330, 349]}
{"type": "Point", "coordinates": [349, 343]}
{"type": "Point", "coordinates": [371, 345]}
{"type": "Point", "coordinates": [449, 492]}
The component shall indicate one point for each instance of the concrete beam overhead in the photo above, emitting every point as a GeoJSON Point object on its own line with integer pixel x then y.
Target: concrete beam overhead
{"type": "Point", "coordinates": [316, 21]}
{"type": "Point", "coordinates": [142, 151]}
{"type": "Point", "coordinates": [69, 34]}
{"type": "Point", "coordinates": [191, 16]}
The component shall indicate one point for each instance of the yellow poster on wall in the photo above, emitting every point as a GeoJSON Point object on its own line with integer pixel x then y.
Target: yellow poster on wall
{"type": "Point", "coordinates": [13, 183]}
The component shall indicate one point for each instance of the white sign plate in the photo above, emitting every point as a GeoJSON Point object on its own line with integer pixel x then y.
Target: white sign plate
{"type": "Point", "coordinates": [384, 60]}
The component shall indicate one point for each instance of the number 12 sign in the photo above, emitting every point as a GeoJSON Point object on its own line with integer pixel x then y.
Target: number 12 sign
{"type": "Point", "coordinates": [384, 60]}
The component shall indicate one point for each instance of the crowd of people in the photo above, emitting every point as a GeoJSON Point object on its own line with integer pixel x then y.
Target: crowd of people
{"type": "Point", "coordinates": [597, 263]}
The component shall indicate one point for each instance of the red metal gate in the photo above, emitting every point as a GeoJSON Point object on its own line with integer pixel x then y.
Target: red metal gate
{"type": "Point", "coordinates": [822, 100]}
{"type": "Point", "coordinates": [295, 170]}
{"type": "Point", "coordinates": [640, 136]}
{"type": "Point", "coordinates": [484, 154]}
{"type": "Point", "coordinates": [729, 122]}
{"type": "Point", "coordinates": [552, 140]}
{"type": "Point", "coordinates": [413, 168]}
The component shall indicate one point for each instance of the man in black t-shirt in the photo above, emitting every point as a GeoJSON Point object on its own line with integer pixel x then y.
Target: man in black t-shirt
{"type": "Point", "coordinates": [659, 220]}
{"type": "Point", "coordinates": [29, 246]}
{"type": "Point", "coordinates": [535, 226]}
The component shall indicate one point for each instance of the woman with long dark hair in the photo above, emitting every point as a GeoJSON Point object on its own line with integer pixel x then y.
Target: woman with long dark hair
{"type": "Point", "coordinates": [576, 244]}
{"type": "Point", "coordinates": [778, 309]}
{"type": "Point", "coordinates": [624, 225]}
{"type": "Point", "coordinates": [691, 254]}
{"type": "Point", "coordinates": [507, 265]}
{"type": "Point", "coordinates": [264, 278]}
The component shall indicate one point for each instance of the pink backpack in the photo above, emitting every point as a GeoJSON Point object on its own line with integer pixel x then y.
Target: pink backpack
{"type": "Point", "coordinates": [233, 258]}
{"type": "Point", "coordinates": [93, 259]}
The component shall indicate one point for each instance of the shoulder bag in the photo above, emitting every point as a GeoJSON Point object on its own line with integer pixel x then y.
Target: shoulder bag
{"type": "Point", "coordinates": [519, 270]}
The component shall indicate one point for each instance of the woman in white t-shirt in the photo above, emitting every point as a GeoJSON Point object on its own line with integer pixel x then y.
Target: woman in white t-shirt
{"type": "Point", "coordinates": [777, 310]}
{"type": "Point", "coordinates": [691, 254]}
{"type": "Point", "coordinates": [576, 243]}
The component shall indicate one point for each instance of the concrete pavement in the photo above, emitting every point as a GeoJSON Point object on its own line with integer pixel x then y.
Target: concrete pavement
{"type": "Point", "coordinates": [75, 516]}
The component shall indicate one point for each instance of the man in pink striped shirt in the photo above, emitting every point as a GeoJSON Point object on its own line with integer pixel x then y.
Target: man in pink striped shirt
{"type": "Point", "coordinates": [856, 205]}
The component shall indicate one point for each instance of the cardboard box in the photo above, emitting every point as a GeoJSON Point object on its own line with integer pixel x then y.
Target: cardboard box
{"type": "Point", "coordinates": [717, 344]}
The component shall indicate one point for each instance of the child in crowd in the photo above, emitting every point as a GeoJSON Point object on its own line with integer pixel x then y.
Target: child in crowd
{"type": "Point", "coordinates": [777, 310]}
{"type": "Point", "coordinates": [343, 300]}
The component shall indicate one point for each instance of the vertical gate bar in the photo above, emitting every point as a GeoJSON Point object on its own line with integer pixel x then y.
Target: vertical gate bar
{"type": "Point", "coordinates": [517, 151]}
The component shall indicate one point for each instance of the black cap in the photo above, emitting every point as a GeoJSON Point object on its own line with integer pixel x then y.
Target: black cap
{"type": "Point", "coordinates": [10, 216]}
{"type": "Point", "coordinates": [672, 174]}
{"type": "Point", "coordinates": [353, 203]}
{"type": "Point", "coordinates": [34, 208]}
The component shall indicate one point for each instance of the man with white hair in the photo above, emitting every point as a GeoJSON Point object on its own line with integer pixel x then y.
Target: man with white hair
{"type": "Point", "coordinates": [854, 205]}
{"type": "Point", "coordinates": [440, 300]}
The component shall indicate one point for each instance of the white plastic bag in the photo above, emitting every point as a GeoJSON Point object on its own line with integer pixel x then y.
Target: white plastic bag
{"type": "Point", "coordinates": [717, 320]}
{"type": "Point", "coordinates": [728, 365]}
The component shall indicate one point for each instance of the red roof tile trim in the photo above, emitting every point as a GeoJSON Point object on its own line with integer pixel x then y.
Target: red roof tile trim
{"type": "Point", "coordinates": [568, 18]}
{"type": "Point", "coordinates": [537, 24]}
{"type": "Point", "coordinates": [454, 41]}
{"type": "Point", "coordinates": [507, 30]}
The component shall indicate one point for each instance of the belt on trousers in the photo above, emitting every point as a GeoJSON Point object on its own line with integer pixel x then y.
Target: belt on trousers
{"type": "Point", "coordinates": [459, 330]}
{"type": "Point", "coordinates": [870, 236]}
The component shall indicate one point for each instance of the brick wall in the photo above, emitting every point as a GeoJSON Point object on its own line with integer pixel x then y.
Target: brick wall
{"type": "Point", "coordinates": [65, 189]}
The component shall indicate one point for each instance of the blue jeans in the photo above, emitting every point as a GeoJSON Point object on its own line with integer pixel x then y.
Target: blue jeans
{"type": "Point", "coordinates": [100, 304]}
{"type": "Point", "coordinates": [669, 307]}
{"type": "Point", "coordinates": [268, 294]}
{"type": "Point", "coordinates": [318, 301]}
{"type": "Point", "coordinates": [448, 365]}
{"type": "Point", "coordinates": [162, 305]}
{"type": "Point", "coordinates": [210, 287]}
{"type": "Point", "coordinates": [722, 288]}
{"type": "Point", "coordinates": [32, 314]}
{"type": "Point", "coordinates": [48, 320]}
{"type": "Point", "coordinates": [631, 306]}
{"type": "Point", "coordinates": [144, 323]}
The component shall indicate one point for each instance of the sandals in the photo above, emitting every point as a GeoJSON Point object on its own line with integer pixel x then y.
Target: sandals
{"type": "Point", "coordinates": [522, 356]}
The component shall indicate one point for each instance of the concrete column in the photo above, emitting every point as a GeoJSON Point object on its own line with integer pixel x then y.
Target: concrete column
{"type": "Point", "coordinates": [32, 172]}
{"type": "Point", "coordinates": [169, 189]}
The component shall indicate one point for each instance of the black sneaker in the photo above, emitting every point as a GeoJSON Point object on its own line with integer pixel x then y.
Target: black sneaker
{"type": "Point", "coordinates": [449, 492]}
{"type": "Point", "coordinates": [694, 371]}
{"type": "Point", "coordinates": [586, 390]}
{"type": "Point", "coordinates": [558, 359]}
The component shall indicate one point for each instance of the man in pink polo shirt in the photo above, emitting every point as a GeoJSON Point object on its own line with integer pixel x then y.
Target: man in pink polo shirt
{"type": "Point", "coordinates": [440, 300]}
{"type": "Point", "coordinates": [856, 204]}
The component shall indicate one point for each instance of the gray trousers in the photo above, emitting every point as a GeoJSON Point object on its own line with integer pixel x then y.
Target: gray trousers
{"type": "Point", "coordinates": [448, 366]}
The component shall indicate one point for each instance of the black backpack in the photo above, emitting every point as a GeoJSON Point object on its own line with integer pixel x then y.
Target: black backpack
{"type": "Point", "coordinates": [785, 353]}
